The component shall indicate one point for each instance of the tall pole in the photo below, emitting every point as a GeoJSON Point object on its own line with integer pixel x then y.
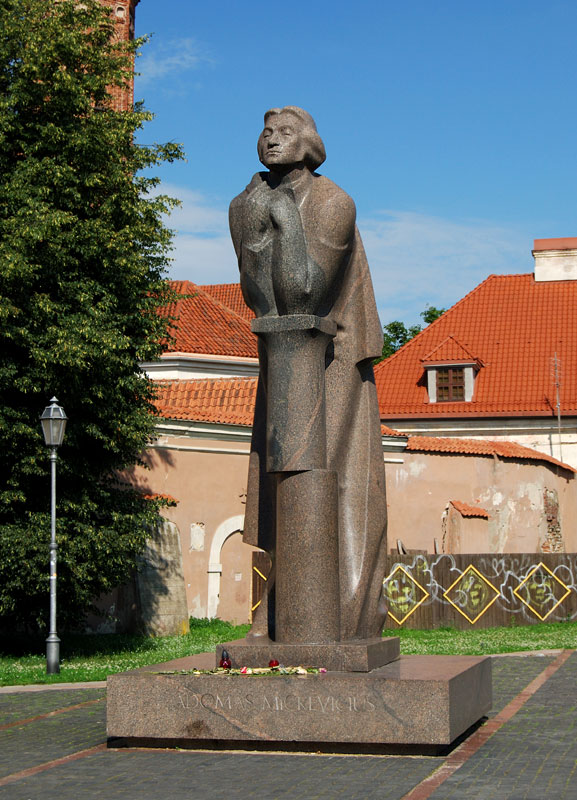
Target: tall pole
{"type": "Point", "coordinates": [557, 369]}
{"type": "Point", "coordinates": [53, 642]}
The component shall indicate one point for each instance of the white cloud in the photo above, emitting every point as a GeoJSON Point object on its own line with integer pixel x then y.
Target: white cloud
{"type": "Point", "coordinates": [203, 251]}
{"type": "Point", "coordinates": [417, 259]}
{"type": "Point", "coordinates": [177, 55]}
{"type": "Point", "coordinates": [197, 214]}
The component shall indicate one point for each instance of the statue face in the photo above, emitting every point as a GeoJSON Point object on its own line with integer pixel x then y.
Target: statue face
{"type": "Point", "coordinates": [281, 142]}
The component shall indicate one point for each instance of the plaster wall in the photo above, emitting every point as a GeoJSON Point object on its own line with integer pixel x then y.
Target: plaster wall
{"type": "Point", "coordinates": [532, 508]}
{"type": "Point", "coordinates": [555, 265]}
{"type": "Point", "coordinates": [464, 534]}
{"type": "Point", "coordinates": [210, 487]}
{"type": "Point", "coordinates": [513, 493]}
{"type": "Point", "coordinates": [174, 367]}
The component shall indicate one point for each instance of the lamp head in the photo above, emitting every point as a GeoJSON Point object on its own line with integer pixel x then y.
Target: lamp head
{"type": "Point", "coordinates": [53, 421]}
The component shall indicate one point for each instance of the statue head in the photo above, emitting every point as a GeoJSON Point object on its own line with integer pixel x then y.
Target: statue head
{"type": "Point", "coordinates": [290, 138]}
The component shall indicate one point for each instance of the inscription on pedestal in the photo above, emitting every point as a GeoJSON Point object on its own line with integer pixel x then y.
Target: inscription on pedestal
{"type": "Point", "coordinates": [319, 704]}
{"type": "Point", "coordinates": [418, 699]}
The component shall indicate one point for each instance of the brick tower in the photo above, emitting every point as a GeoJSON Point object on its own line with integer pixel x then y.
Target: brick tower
{"type": "Point", "coordinates": [123, 12]}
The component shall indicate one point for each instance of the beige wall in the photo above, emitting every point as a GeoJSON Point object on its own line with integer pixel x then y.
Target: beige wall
{"type": "Point", "coordinates": [463, 534]}
{"type": "Point", "coordinates": [208, 478]}
{"type": "Point", "coordinates": [210, 486]}
{"type": "Point", "coordinates": [420, 488]}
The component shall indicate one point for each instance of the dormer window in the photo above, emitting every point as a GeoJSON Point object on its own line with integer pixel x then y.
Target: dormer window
{"type": "Point", "coordinates": [451, 370]}
{"type": "Point", "coordinates": [450, 384]}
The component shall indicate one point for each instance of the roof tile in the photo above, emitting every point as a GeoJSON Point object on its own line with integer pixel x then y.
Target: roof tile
{"type": "Point", "coordinates": [451, 351]}
{"type": "Point", "coordinates": [231, 401]}
{"type": "Point", "coordinates": [469, 511]}
{"type": "Point", "coordinates": [229, 294]}
{"type": "Point", "coordinates": [482, 447]}
{"type": "Point", "coordinates": [205, 325]}
{"type": "Point", "coordinates": [386, 431]}
{"type": "Point", "coordinates": [227, 401]}
{"type": "Point", "coordinates": [514, 325]}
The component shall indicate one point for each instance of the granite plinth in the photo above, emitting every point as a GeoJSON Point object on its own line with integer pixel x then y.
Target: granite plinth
{"type": "Point", "coordinates": [307, 588]}
{"type": "Point", "coordinates": [416, 700]}
{"type": "Point", "coordinates": [355, 656]}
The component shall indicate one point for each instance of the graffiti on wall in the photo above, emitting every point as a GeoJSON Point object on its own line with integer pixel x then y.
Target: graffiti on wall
{"type": "Point", "coordinates": [404, 594]}
{"type": "Point", "coordinates": [515, 586]}
{"type": "Point", "coordinates": [471, 594]}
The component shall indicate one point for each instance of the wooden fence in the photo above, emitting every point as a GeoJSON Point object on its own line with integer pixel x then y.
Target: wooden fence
{"type": "Point", "coordinates": [260, 570]}
{"type": "Point", "coordinates": [480, 590]}
{"type": "Point", "coordinates": [464, 591]}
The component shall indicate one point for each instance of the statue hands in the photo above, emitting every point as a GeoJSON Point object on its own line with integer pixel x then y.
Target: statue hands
{"type": "Point", "coordinates": [277, 274]}
{"type": "Point", "coordinates": [274, 206]}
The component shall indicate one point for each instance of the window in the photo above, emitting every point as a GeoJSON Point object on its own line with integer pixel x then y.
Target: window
{"type": "Point", "coordinates": [450, 384]}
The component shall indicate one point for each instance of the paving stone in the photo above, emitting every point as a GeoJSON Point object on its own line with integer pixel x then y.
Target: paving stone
{"type": "Point", "coordinates": [35, 743]}
{"type": "Point", "coordinates": [23, 705]}
{"type": "Point", "coordinates": [204, 776]}
{"type": "Point", "coordinates": [532, 757]}
{"type": "Point", "coordinates": [510, 676]}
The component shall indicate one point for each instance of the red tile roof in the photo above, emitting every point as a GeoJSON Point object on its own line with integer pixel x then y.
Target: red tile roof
{"type": "Point", "coordinates": [569, 243]}
{"type": "Point", "coordinates": [450, 351]}
{"type": "Point", "coordinates": [514, 325]}
{"type": "Point", "coordinates": [480, 447]}
{"type": "Point", "coordinates": [168, 498]}
{"type": "Point", "coordinates": [469, 511]}
{"type": "Point", "coordinates": [229, 294]}
{"type": "Point", "coordinates": [204, 325]}
{"type": "Point", "coordinates": [231, 401]}
{"type": "Point", "coordinates": [386, 431]}
{"type": "Point", "coordinates": [228, 401]}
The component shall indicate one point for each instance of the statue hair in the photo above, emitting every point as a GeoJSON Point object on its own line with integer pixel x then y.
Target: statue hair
{"type": "Point", "coordinates": [314, 149]}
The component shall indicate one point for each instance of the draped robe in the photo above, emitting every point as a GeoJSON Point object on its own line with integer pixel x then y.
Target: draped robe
{"type": "Point", "coordinates": [341, 290]}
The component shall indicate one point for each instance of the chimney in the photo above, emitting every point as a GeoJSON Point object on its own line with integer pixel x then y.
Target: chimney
{"type": "Point", "coordinates": [555, 259]}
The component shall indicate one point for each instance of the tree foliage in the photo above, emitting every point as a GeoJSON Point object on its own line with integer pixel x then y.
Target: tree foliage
{"type": "Point", "coordinates": [83, 253]}
{"type": "Point", "coordinates": [396, 333]}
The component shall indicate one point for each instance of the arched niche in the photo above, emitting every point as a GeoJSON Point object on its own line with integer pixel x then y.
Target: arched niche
{"type": "Point", "coordinates": [224, 530]}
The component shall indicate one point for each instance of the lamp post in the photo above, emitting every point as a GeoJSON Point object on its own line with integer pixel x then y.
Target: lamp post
{"type": "Point", "coordinates": [53, 421]}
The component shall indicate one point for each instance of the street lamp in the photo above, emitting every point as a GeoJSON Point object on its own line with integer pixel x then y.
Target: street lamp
{"type": "Point", "coordinates": [53, 421]}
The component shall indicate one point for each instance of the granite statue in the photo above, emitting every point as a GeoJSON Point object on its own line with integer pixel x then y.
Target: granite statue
{"type": "Point", "coordinates": [315, 502]}
{"type": "Point", "coordinates": [316, 487]}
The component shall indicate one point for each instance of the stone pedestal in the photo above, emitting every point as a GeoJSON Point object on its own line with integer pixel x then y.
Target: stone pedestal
{"type": "Point", "coordinates": [421, 701]}
{"type": "Point", "coordinates": [307, 558]}
{"type": "Point", "coordinates": [356, 656]}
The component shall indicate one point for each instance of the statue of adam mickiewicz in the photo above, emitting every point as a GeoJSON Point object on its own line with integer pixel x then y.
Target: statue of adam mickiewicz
{"type": "Point", "coordinates": [300, 253]}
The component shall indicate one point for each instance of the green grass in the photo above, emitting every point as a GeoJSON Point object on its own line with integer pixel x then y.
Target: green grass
{"type": "Point", "coordinates": [482, 641]}
{"type": "Point", "coordinates": [92, 658]}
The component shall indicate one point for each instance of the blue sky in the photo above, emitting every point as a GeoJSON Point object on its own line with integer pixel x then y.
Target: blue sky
{"type": "Point", "coordinates": [451, 123]}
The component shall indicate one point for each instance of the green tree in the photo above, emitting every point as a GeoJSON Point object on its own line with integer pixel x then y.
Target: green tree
{"type": "Point", "coordinates": [396, 333]}
{"type": "Point", "coordinates": [83, 254]}
{"type": "Point", "coordinates": [431, 313]}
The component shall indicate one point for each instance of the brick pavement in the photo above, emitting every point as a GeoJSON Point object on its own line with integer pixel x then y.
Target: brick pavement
{"type": "Point", "coordinates": [13, 706]}
{"type": "Point", "coordinates": [532, 757]}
